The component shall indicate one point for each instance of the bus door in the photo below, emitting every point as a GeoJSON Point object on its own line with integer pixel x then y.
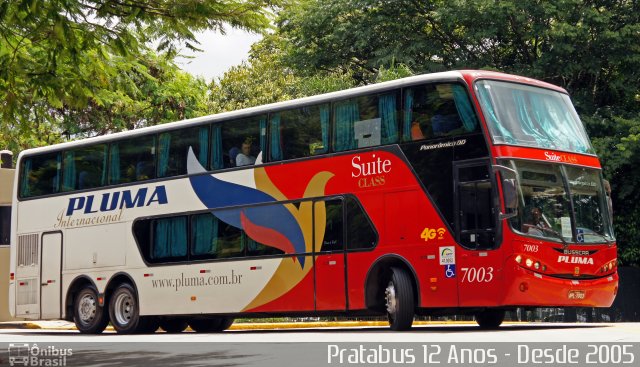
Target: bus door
{"type": "Point", "coordinates": [330, 264]}
{"type": "Point", "coordinates": [50, 270]}
{"type": "Point", "coordinates": [478, 264]}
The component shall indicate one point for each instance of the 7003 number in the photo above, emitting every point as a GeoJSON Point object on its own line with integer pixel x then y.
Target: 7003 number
{"type": "Point", "coordinates": [477, 275]}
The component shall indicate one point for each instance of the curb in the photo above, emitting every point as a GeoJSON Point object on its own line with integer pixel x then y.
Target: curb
{"type": "Point", "coordinates": [260, 326]}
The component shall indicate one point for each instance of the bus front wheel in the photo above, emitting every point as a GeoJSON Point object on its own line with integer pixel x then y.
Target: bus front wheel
{"type": "Point", "coordinates": [399, 300]}
{"type": "Point", "coordinates": [88, 316]}
{"type": "Point", "coordinates": [490, 319]}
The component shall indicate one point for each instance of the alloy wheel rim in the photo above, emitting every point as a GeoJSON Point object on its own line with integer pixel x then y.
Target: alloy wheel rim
{"type": "Point", "coordinates": [123, 309]}
{"type": "Point", "coordinates": [391, 300]}
{"type": "Point", "coordinates": [87, 309]}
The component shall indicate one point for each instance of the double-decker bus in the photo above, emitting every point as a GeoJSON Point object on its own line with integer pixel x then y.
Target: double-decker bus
{"type": "Point", "coordinates": [466, 192]}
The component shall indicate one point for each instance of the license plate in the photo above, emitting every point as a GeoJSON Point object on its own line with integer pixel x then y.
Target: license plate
{"type": "Point", "coordinates": [577, 294]}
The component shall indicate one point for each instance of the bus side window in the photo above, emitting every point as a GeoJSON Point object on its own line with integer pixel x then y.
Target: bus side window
{"type": "Point", "coordinates": [84, 168]}
{"type": "Point", "coordinates": [360, 231]}
{"type": "Point", "coordinates": [205, 235]}
{"type": "Point", "coordinates": [5, 225]}
{"type": "Point", "coordinates": [40, 175]}
{"type": "Point", "coordinates": [233, 134]}
{"type": "Point", "coordinates": [437, 110]}
{"type": "Point", "coordinates": [300, 132]}
{"type": "Point", "coordinates": [173, 147]}
{"type": "Point", "coordinates": [333, 239]}
{"type": "Point", "coordinates": [132, 160]}
{"type": "Point", "coordinates": [231, 241]}
{"type": "Point", "coordinates": [366, 121]}
{"type": "Point", "coordinates": [169, 238]}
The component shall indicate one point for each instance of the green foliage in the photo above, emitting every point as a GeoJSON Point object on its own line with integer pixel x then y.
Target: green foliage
{"type": "Point", "coordinates": [83, 67]}
{"type": "Point", "coordinates": [615, 140]}
{"type": "Point", "coordinates": [265, 79]}
{"type": "Point", "coordinates": [591, 48]}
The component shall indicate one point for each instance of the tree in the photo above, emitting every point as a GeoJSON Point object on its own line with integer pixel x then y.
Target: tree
{"type": "Point", "coordinates": [266, 79]}
{"type": "Point", "coordinates": [534, 38]}
{"type": "Point", "coordinates": [63, 59]}
{"type": "Point", "coordinates": [591, 48]}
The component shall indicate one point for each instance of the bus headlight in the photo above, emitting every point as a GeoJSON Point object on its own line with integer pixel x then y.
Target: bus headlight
{"type": "Point", "coordinates": [529, 262]}
{"type": "Point", "coordinates": [519, 259]}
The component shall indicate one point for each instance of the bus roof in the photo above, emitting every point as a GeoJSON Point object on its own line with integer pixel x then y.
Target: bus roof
{"type": "Point", "coordinates": [469, 76]}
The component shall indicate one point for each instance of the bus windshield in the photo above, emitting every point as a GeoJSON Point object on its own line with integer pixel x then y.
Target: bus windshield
{"type": "Point", "coordinates": [524, 115]}
{"type": "Point", "coordinates": [561, 201]}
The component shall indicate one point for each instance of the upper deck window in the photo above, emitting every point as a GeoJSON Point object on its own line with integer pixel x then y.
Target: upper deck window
{"type": "Point", "coordinates": [40, 175]}
{"type": "Point", "coordinates": [437, 110]}
{"type": "Point", "coordinates": [365, 121]}
{"type": "Point", "coordinates": [530, 116]}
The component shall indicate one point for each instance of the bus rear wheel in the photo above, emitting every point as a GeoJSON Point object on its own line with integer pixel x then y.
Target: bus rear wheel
{"type": "Point", "coordinates": [88, 316]}
{"type": "Point", "coordinates": [124, 312]}
{"type": "Point", "coordinates": [399, 300]}
{"type": "Point", "coordinates": [490, 318]}
{"type": "Point", "coordinates": [173, 325]}
{"type": "Point", "coordinates": [207, 324]}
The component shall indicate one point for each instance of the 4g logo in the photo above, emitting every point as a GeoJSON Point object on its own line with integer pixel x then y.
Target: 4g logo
{"type": "Point", "coordinates": [430, 234]}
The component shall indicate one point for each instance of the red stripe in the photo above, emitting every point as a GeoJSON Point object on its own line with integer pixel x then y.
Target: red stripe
{"type": "Point", "coordinates": [266, 236]}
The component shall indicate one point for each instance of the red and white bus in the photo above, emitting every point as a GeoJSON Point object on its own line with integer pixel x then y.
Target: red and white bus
{"type": "Point", "coordinates": [465, 192]}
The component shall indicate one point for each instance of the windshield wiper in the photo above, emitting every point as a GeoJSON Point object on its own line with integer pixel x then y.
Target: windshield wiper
{"type": "Point", "coordinates": [608, 241]}
{"type": "Point", "coordinates": [565, 245]}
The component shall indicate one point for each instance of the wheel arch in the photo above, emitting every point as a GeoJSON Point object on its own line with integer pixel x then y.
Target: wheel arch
{"type": "Point", "coordinates": [76, 285]}
{"type": "Point", "coordinates": [115, 280]}
{"type": "Point", "coordinates": [380, 272]}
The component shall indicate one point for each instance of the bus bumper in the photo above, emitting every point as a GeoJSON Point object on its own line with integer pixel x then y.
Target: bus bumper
{"type": "Point", "coordinates": [527, 288]}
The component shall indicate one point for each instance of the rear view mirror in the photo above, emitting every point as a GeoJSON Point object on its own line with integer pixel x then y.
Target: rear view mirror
{"type": "Point", "coordinates": [510, 193]}
{"type": "Point", "coordinates": [509, 181]}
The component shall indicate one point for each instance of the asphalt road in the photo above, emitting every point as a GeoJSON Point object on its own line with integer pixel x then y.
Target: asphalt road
{"type": "Point", "coordinates": [316, 346]}
{"type": "Point", "coordinates": [525, 332]}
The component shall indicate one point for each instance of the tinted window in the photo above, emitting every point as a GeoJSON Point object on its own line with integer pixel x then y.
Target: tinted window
{"type": "Point", "coordinates": [475, 205]}
{"type": "Point", "coordinates": [237, 142]}
{"type": "Point", "coordinates": [231, 241]}
{"type": "Point", "coordinates": [204, 235]}
{"type": "Point", "coordinates": [85, 168]}
{"type": "Point", "coordinates": [437, 110]}
{"type": "Point", "coordinates": [212, 238]}
{"type": "Point", "coordinates": [173, 147]}
{"type": "Point", "coordinates": [333, 239]}
{"type": "Point", "coordinates": [40, 175]}
{"type": "Point", "coordinates": [300, 132]}
{"type": "Point", "coordinates": [169, 238]}
{"type": "Point", "coordinates": [365, 121]}
{"type": "Point", "coordinates": [360, 232]}
{"type": "Point", "coordinates": [5, 225]}
{"type": "Point", "coordinates": [132, 160]}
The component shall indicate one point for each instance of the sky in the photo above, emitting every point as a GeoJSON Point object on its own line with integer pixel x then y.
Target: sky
{"type": "Point", "coordinates": [220, 52]}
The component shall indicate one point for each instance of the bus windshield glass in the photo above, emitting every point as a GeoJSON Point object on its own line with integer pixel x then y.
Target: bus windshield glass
{"type": "Point", "coordinates": [529, 116]}
{"type": "Point", "coordinates": [561, 201]}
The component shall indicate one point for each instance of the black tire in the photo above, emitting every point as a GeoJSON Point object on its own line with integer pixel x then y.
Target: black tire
{"type": "Point", "coordinates": [205, 324]}
{"type": "Point", "coordinates": [88, 316]}
{"type": "Point", "coordinates": [490, 318]}
{"type": "Point", "coordinates": [225, 323]}
{"type": "Point", "coordinates": [173, 325]}
{"type": "Point", "coordinates": [399, 300]}
{"type": "Point", "coordinates": [124, 311]}
{"type": "Point", "coordinates": [148, 325]}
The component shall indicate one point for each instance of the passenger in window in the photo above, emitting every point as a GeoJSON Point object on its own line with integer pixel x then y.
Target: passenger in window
{"type": "Point", "coordinates": [245, 158]}
{"type": "Point", "coordinates": [537, 224]}
{"type": "Point", "coordinates": [233, 154]}
{"type": "Point", "coordinates": [416, 131]}
{"type": "Point", "coordinates": [446, 119]}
